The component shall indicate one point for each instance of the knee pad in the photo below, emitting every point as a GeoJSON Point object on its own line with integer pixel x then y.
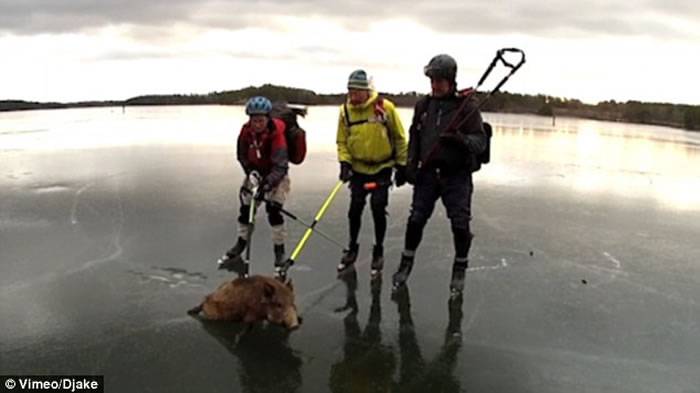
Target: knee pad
{"type": "Point", "coordinates": [274, 216]}
{"type": "Point", "coordinates": [244, 213]}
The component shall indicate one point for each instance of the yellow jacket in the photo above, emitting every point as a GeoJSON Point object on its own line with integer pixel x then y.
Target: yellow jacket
{"type": "Point", "coordinates": [377, 141]}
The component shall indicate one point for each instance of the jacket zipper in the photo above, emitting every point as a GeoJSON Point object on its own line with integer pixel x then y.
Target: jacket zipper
{"type": "Point", "coordinates": [256, 145]}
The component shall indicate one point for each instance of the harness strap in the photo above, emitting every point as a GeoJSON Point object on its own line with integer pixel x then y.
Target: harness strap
{"type": "Point", "coordinates": [380, 113]}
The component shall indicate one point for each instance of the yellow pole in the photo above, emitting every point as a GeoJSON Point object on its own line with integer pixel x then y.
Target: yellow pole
{"type": "Point", "coordinates": [310, 230]}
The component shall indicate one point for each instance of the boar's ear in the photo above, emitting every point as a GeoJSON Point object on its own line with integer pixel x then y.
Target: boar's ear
{"type": "Point", "coordinates": [289, 285]}
{"type": "Point", "coordinates": [268, 290]}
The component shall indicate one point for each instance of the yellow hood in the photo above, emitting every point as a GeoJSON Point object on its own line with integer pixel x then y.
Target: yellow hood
{"type": "Point", "coordinates": [373, 95]}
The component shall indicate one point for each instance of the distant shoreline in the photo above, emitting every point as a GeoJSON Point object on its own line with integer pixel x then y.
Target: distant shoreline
{"type": "Point", "coordinates": [684, 117]}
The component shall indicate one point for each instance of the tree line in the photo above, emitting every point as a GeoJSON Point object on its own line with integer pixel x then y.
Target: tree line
{"type": "Point", "coordinates": [673, 115]}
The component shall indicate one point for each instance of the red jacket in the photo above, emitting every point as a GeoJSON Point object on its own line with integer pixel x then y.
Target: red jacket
{"type": "Point", "coordinates": [265, 152]}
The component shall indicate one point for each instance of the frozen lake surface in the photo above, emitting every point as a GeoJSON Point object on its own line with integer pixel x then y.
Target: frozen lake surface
{"type": "Point", "coordinates": [584, 275]}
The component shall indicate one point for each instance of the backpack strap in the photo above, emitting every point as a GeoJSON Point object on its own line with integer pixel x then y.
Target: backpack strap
{"type": "Point", "coordinates": [460, 117]}
{"type": "Point", "coordinates": [380, 112]}
{"type": "Point", "coordinates": [349, 123]}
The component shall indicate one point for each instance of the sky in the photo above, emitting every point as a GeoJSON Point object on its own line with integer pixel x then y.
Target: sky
{"type": "Point", "coordinates": [73, 50]}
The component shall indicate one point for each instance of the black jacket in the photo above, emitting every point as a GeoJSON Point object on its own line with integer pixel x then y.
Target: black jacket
{"type": "Point", "coordinates": [431, 118]}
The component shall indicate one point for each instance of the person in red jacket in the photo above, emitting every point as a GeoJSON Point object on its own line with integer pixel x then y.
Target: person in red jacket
{"type": "Point", "coordinates": [262, 153]}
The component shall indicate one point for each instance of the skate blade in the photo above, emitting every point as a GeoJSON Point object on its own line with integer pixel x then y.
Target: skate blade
{"type": "Point", "coordinates": [341, 268]}
{"type": "Point", "coordinates": [280, 274]}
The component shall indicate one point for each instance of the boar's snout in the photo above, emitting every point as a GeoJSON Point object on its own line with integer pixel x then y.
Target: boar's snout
{"type": "Point", "coordinates": [293, 321]}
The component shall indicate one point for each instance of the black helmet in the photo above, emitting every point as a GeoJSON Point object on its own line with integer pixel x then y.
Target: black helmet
{"type": "Point", "coordinates": [441, 66]}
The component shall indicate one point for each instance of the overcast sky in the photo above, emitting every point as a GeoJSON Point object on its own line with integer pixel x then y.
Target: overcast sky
{"type": "Point", "coordinates": [115, 49]}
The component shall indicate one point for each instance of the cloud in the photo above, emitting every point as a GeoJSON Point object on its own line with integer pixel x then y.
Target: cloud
{"type": "Point", "coordinates": [127, 55]}
{"type": "Point", "coordinates": [46, 16]}
{"type": "Point", "coordinates": [537, 18]}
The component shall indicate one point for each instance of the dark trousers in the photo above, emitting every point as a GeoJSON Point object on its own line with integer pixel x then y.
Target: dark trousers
{"type": "Point", "coordinates": [360, 187]}
{"type": "Point", "coordinates": [455, 189]}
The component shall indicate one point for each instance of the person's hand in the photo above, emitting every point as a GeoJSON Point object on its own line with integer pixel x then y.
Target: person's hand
{"type": "Point", "coordinates": [264, 188]}
{"type": "Point", "coordinates": [345, 171]}
{"type": "Point", "coordinates": [400, 175]}
{"type": "Point", "coordinates": [452, 137]}
{"type": "Point", "coordinates": [254, 179]}
{"type": "Point", "coordinates": [410, 174]}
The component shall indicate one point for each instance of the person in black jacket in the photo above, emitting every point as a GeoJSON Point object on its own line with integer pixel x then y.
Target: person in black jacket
{"type": "Point", "coordinates": [446, 137]}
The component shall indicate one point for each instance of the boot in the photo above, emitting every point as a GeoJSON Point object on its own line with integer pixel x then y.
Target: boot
{"type": "Point", "coordinates": [377, 260]}
{"type": "Point", "coordinates": [279, 255]}
{"type": "Point", "coordinates": [242, 269]}
{"type": "Point", "coordinates": [233, 255]}
{"type": "Point", "coordinates": [401, 275]}
{"type": "Point", "coordinates": [349, 257]}
{"type": "Point", "coordinates": [458, 276]}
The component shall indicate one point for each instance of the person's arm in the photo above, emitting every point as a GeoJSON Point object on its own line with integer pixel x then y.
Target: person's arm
{"type": "Point", "coordinates": [470, 135]}
{"type": "Point", "coordinates": [398, 136]}
{"type": "Point", "coordinates": [474, 135]}
{"type": "Point", "coordinates": [419, 109]}
{"type": "Point", "coordinates": [413, 152]}
{"type": "Point", "coordinates": [344, 156]}
{"type": "Point", "coordinates": [342, 140]}
{"type": "Point", "coordinates": [242, 151]}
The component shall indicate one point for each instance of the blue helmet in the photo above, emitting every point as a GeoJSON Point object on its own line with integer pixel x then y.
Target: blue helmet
{"type": "Point", "coordinates": [258, 106]}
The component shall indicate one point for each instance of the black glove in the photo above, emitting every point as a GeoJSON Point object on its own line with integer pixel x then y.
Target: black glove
{"type": "Point", "coordinates": [410, 174]}
{"type": "Point", "coordinates": [453, 138]}
{"type": "Point", "coordinates": [345, 171]}
{"type": "Point", "coordinates": [400, 175]}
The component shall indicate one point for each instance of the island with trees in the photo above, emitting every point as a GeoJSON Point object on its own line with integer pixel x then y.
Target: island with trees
{"type": "Point", "coordinates": [672, 115]}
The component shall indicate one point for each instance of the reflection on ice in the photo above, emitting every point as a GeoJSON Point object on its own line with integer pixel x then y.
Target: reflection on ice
{"type": "Point", "coordinates": [599, 158]}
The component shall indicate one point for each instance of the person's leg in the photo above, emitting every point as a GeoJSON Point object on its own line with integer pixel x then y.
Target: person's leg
{"type": "Point", "coordinates": [232, 256]}
{"type": "Point", "coordinates": [425, 193]}
{"type": "Point", "coordinates": [358, 196]}
{"type": "Point", "coordinates": [276, 199]}
{"type": "Point", "coordinates": [244, 198]}
{"type": "Point", "coordinates": [457, 201]}
{"type": "Point", "coordinates": [378, 202]}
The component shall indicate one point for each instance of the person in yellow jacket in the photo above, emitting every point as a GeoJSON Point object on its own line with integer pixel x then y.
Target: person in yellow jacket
{"type": "Point", "coordinates": [371, 145]}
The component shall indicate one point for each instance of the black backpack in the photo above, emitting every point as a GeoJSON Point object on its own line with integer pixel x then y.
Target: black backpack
{"type": "Point", "coordinates": [294, 134]}
{"type": "Point", "coordinates": [485, 156]}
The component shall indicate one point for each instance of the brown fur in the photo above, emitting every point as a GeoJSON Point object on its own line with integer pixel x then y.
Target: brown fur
{"type": "Point", "coordinates": [251, 299]}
